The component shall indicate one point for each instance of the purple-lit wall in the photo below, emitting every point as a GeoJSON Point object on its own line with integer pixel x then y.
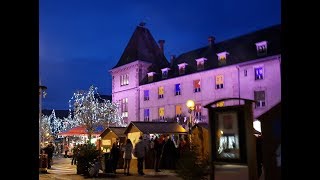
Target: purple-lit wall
{"type": "Point", "coordinates": [232, 86]}
{"type": "Point", "coordinates": [130, 91]}
{"type": "Point", "coordinates": [271, 83]}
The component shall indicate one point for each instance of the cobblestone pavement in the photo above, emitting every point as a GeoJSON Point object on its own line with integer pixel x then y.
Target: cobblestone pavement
{"type": "Point", "coordinates": [63, 170]}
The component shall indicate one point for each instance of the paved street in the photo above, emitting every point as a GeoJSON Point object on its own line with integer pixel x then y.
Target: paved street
{"type": "Point", "coordinates": [63, 170]}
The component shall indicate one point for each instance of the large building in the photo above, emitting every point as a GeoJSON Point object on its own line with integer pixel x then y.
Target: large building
{"type": "Point", "coordinates": [151, 88]}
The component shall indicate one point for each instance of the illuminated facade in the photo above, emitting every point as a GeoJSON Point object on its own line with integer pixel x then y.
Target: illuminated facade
{"type": "Point", "coordinates": [151, 88]}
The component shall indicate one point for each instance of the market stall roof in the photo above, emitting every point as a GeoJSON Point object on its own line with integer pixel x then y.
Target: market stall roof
{"type": "Point", "coordinates": [79, 130]}
{"type": "Point", "coordinates": [119, 131]}
{"type": "Point", "coordinates": [156, 127]}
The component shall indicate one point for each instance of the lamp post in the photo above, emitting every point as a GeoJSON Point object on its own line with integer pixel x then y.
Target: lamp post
{"type": "Point", "coordinates": [190, 105]}
{"type": "Point", "coordinates": [41, 93]}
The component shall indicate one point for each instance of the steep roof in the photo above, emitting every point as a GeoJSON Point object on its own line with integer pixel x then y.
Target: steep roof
{"type": "Point", "coordinates": [156, 127]}
{"type": "Point", "coordinates": [142, 46]}
{"type": "Point", "coordinates": [240, 49]}
{"type": "Point", "coordinates": [119, 131]}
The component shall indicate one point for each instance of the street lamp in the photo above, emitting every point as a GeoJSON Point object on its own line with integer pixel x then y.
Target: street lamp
{"type": "Point", "coordinates": [41, 93]}
{"type": "Point", "coordinates": [190, 105]}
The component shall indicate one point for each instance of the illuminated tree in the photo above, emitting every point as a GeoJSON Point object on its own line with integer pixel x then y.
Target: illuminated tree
{"type": "Point", "coordinates": [92, 111]}
{"type": "Point", "coordinates": [45, 128]}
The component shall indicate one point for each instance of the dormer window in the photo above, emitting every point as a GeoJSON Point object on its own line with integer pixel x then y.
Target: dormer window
{"type": "Point", "coordinates": [200, 63]}
{"type": "Point", "coordinates": [182, 68]}
{"type": "Point", "coordinates": [262, 48]}
{"type": "Point", "coordinates": [222, 58]}
{"type": "Point", "coordinates": [165, 73]}
{"type": "Point", "coordinates": [150, 76]}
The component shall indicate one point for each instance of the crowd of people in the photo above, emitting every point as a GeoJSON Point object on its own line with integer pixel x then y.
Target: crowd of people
{"type": "Point", "coordinates": [161, 152]}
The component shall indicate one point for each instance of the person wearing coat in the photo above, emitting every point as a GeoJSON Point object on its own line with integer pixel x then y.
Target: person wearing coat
{"type": "Point", "coordinates": [140, 151]}
{"type": "Point", "coordinates": [127, 155]}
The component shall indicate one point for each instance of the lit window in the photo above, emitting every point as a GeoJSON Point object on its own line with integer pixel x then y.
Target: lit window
{"type": "Point", "coordinates": [177, 89]}
{"type": "Point", "coordinates": [258, 73]}
{"type": "Point", "coordinates": [220, 104]}
{"type": "Point", "coordinates": [165, 73]}
{"type": "Point", "coordinates": [197, 111]}
{"type": "Point", "coordinates": [222, 58]}
{"type": "Point", "coordinates": [161, 113]}
{"type": "Point", "coordinates": [124, 79]}
{"type": "Point", "coordinates": [200, 63]}
{"type": "Point", "coordinates": [182, 68]}
{"type": "Point", "coordinates": [259, 97]}
{"type": "Point", "coordinates": [262, 48]}
{"type": "Point", "coordinates": [160, 92]}
{"type": "Point", "coordinates": [146, 115]}
{"type": "Point", "coordinates": [146, 95]}
{"type": "Point", "coordinates": [196, 85]}
{"type": "Point", "coordinates": [124, 109]}
{"type": "Point", "coordinates": [219, 81]}
{"type": "Point", "coordinates": [150, 76]}
{"type": "Point", "coordinates": [178, 111]}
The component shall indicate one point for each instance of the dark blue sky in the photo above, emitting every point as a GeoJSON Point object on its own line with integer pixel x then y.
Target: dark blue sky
{"type": "Point", "coordinates": [81, 40]}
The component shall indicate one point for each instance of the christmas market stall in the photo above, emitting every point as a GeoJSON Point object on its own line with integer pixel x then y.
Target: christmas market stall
{"type": "Point", "coordinates": [110, 136]}
{"type": "Point", "coordinates": [78, 135]}
{"type": "Point", "coordinates": [150, 130]}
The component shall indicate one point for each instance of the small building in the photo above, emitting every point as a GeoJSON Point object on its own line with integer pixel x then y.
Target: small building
{"type": "Point", "coordinates": [200, 139]}
{"type": "Point", "coordinates": [110, 135]}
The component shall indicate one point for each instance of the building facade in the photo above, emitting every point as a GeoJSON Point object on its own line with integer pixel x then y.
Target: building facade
{"type": "Point", "coordinates": [148, 87]}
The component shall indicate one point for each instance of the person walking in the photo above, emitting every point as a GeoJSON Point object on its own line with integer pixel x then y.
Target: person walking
{"type": "Point", "coordinates": [140, 152]}
{"type": "Point", "coordinates": [127, 155]}
{"type": "Point", "coordinates": [158, 144]}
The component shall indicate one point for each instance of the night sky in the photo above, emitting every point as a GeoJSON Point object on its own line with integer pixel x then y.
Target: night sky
{"type": "Point", "coordinates": [81, 40]}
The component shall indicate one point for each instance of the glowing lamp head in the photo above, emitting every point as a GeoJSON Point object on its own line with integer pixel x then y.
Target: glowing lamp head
{"type": "Point", "coordinates": [190, 104]}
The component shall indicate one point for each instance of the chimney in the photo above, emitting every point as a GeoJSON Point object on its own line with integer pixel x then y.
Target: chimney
{"type": "Point", "coordinates": [211, 40]}
{"type": "Point", "coordinates": [172, 58]}
{"type": "Point", "coordinates": [161, 43]}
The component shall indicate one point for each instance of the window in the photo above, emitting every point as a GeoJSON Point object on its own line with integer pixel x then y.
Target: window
{"type": "Point", "coordinates": [182, 68]}
{"type": "Point", "coordinates": [219, 81]}
{"type": "Point", "coordinates": [262, 48]}
{"type": "Point", "coordinates": [222, 58]}
{"type": "Point", "coordinates": [200, 63]}
{"type": "Point", "coordinates": [196, 85]}
{"type": "Point", "coordinates": [124, 79]}
{"type": "Point", "coordinates": [177, 89]}
{"type": "Point", "coordinates": [146, 115]}
{"type": "Point", "coordinates": [160, 92]}
{"type": "Point", "coordinates": [197, 112]}
{"type": "Point", "coordinates": [245, 72]}
{"type": "Point", "coordinates": [220, 104]}
{"type": "Point", "coordinates": [259, 96]}
{"type": "Point", "coordinates": [124, 109]}
{"type": "Point", "coordinates": [178, 111]}
{"type": "Point", "coordinates": [258, 73]}
{"type": "Point", "coordinates": [146, 95]}
{"type": "Point", "coordinates": [161, 113]}
{"type": "Point", "coordinates": [150, 76]}
{"type": "Point", "coordinates": [165, 73]}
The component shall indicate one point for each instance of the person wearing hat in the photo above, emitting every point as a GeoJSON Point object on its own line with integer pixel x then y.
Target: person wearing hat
{"type": "Point", "coordinates": [49, 149]}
